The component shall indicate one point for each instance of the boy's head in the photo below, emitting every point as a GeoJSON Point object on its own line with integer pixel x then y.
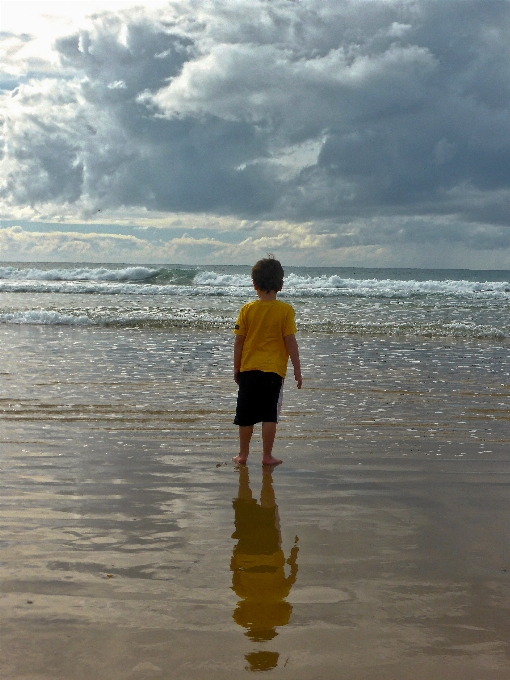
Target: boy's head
{"type": "Point", "coordinates": [267, 275]}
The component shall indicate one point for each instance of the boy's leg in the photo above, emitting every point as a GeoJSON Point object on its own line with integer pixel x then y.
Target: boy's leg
{"type": "Point", "coordinates": [245, 433]}
{"type": "Point", "coordinates": [268, 435]}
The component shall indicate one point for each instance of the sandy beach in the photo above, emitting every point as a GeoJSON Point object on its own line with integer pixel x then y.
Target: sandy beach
{"type": "Point", "coordinates": [128, 548]}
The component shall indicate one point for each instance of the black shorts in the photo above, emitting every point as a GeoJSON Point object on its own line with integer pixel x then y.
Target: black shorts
{"type": "Point", "coordinates": [257, 399]}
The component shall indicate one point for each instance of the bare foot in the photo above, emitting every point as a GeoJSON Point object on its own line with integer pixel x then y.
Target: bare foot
{"type": "Point", "coordinates": [271, 461]}
{"type": "Point", "coordinates": [240, 460]}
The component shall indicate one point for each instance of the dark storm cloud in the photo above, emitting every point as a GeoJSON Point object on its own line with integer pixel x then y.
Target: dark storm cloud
{"type": "Point", "coordinates": [207, 107]}
{"type": "Point", "coordinates": [397, 231]}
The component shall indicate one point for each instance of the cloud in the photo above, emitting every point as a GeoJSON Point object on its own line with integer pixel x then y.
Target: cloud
{"type": "Point", "coordinates": [367, 242]}
{"type": "Point", "coordinates": [379, 113]}
{"type": "Point", "coordinates": [18, 244]}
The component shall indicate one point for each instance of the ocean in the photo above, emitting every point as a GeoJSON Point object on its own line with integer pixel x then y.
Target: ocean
{"type": "Point", "coordinates": [388, 302]}
{"type": "Point", "coordinates": [119, 497]}
{"type": "Point", "coordinates": [154, 343]}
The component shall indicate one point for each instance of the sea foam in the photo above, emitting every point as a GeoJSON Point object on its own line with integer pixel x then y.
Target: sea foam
{"type": "Point", "coordinates": [338, 286]}
{"type": "Point", "coordinates": [83, 274]}
{"type": "Point", "coordinates": [203, 320]}
{"type": "Point", "coordinates": [45, 317]}
{"type": "Point", "coordinates": [142, 280]}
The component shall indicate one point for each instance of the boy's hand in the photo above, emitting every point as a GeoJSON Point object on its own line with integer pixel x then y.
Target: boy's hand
{"type": "Point", "coordinates": [293, 350]}
{"type": "Point", "coordinates": [298, 378]}
{"type": "Point", "coordinates": [238, 352]}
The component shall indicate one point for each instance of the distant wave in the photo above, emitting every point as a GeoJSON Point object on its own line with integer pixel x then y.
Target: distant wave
{"type": "Point", "coordinates": [336, 285]}
{"type": "Point", "coordinates": [134, 274]}
{"type": "Point", "coordinates": [101, 274]}
{"type": "Point", "coordinates": [176, 281]}
{"type": "Point", "coordinates": [223, 280]}
{"type": "Point", "coordinates": [96, 287]}
{"type": "Point", "coordinates": [44, 317]}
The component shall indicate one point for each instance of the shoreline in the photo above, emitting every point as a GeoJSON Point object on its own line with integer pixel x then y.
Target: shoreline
{"type": "Point", "coordinates": [118, 512]}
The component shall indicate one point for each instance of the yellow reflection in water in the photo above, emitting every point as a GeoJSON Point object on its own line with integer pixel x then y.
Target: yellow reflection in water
{"type": "Point", "coordinates": [258, 568]}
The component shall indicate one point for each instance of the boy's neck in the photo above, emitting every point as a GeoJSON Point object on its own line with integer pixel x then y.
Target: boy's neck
{"type": "Point", "coordinates": [265, 296]}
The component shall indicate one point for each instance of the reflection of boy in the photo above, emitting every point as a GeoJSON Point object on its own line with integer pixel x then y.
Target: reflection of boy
{"type": "Point", "coordinates": [265, 338]}
{"type": "Point", "coordinates": [258, 562]}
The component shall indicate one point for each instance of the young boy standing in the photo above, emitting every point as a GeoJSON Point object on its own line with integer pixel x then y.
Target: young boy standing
{"type": "Point", "coordinates": [265, 338]}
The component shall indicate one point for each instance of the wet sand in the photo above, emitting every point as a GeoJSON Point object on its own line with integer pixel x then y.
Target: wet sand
{"type": "Point", "coordinates": [133, 548]}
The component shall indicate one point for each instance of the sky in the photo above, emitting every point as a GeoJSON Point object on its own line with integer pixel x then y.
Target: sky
{"type": "Point", "coordinates": [328, 132]}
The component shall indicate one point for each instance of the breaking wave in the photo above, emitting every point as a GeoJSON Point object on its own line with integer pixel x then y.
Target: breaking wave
{"type": "Point", "coordinates": [141, 280]}
{"type": "Point", "coordinates": [336, 285]}
{"type": "Point", "coordinates": [136, 274]}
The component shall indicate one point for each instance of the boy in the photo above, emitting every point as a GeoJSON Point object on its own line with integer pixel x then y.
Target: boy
{"type": "Point", "coordinates": [264, 341]}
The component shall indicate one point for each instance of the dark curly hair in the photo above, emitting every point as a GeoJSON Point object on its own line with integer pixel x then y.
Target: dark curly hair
{"type": "Point", "coordinates": [267, 274]}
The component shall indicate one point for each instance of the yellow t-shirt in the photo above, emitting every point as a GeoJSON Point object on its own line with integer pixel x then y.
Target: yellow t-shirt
{"type": "Point", "coordinates": [264, 326]}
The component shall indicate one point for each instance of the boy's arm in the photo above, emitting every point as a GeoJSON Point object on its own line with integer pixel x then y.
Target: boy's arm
{"type": "Point", "coordinates": [238, 351]}
{"type": "Point", "coordinates": [293, 350]}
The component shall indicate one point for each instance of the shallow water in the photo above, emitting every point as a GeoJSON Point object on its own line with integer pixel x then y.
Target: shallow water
{"type": "Point", "coordinates": [128, 540]}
